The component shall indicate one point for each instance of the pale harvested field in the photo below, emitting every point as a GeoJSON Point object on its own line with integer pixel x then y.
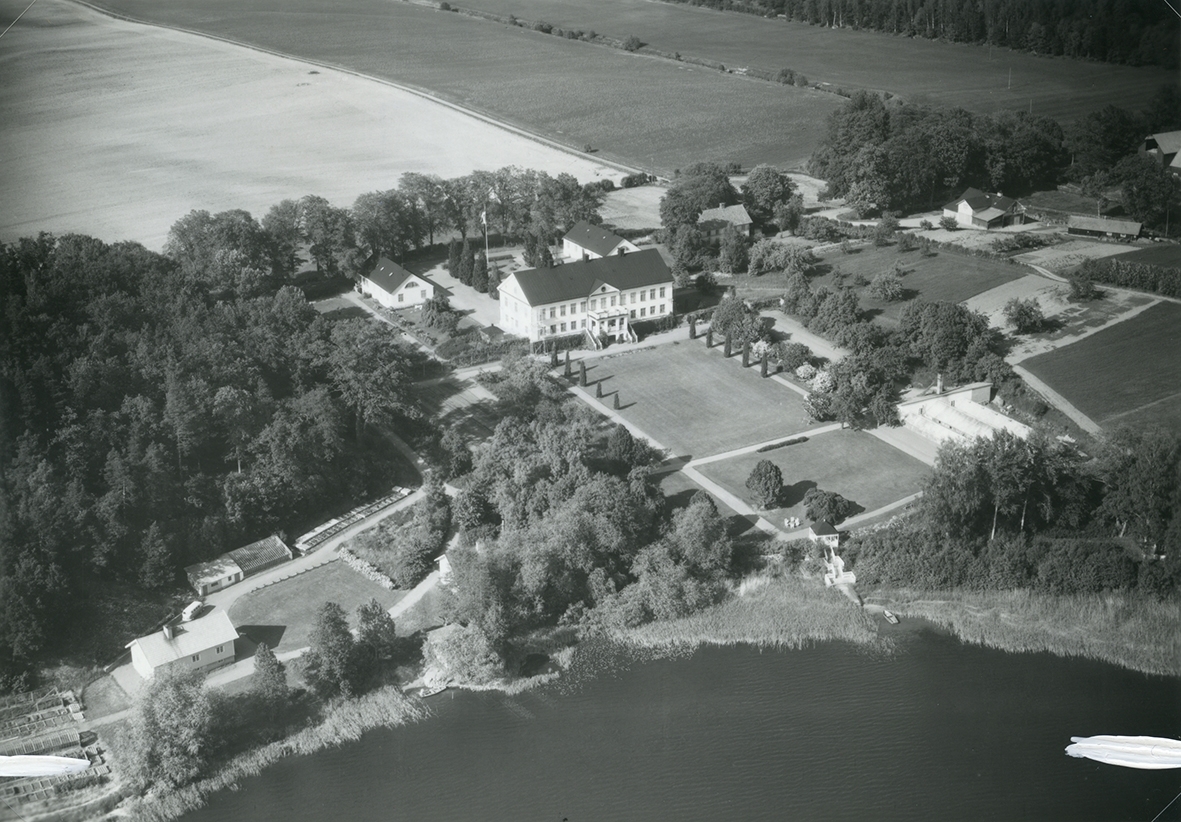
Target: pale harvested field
{"type": "Point", "coordinates": [1063, 257]}
{"type": "Point", "coordinates": [116, 129]}
{"type": "Point", "coordinates": [633, 208]}
{"type": "Point", "coordinates": [1072, 321]}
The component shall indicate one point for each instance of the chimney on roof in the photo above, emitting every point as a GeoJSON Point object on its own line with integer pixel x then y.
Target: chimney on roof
{"type": "Point", "coordinates": [939, 384]}
{"type": "Point", "coordinates": [169, 631]}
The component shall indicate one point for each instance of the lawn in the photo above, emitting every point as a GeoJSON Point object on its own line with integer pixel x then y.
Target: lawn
{"type": "Point", "coordinates": [641, 110]}
{"type": "Point", "coordinates": [946, 276]}
{"type": "Point", "coordinates": [283, 615]}
{"type": "Point", "coordinates": [974, 77]}
{"type": "Point", "coordinates": [854, 464]}
{"type": "Point", "coordinates": [695, 401]}
{"type": "Point", "coordinates": [1128, 373]}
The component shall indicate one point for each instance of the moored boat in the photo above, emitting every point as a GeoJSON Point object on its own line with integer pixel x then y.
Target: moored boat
{"type": "Point", "coordinates": [890, 617]}
{"type": "Point", "coordinates": [437, 689]}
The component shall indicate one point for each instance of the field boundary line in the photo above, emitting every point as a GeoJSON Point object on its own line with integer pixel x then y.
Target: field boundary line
{"type": "Point", "coordinates": [1058, 401]}
{"type": "Point", "coordinates": [1114, 417]}
{"type": "Point", "coordinates": [426, 95]}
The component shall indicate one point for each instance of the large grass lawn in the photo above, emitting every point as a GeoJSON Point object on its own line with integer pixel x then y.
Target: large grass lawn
{"type": "Point", "coordinates": [1128, 373]}
{"type": "Point", "coordinates": [655, 113]}
{"type": "Point", "coordinates": [283, 615]}
{"type": "Point", "coordinates": [854, 464]}
{"type": "Point", "coordinates": [946, 276]}
{"type": "Point", "coordinates": [951, 74]}
{"type": "Point", "coordinates": [695, 401]}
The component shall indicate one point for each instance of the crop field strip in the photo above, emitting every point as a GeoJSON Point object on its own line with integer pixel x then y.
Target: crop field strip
{"type": "Point", "coordinates": [1129, 373]}
{"type": "Point", "coordinates": [644, 111]}
{"type": "Point", "coordinates": [854, 464]}
{"type": "Point", "coordinates": [947, 73]}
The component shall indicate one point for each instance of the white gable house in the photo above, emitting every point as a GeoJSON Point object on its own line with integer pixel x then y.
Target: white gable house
{"type": "Point", "coordinates": [200, 645]}
{"type": "Point", "coordinates": [394, 287]}
{"type": "Point", "coordinates": [599, 298]}
{"type": "Point", "coordinates": [590, 242]}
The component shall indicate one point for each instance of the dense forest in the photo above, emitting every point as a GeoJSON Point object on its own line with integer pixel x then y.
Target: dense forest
{"type": "Point", "coordinates": [1135, 32]}
{"type": "Point", "coordinates": [883, 155]}
{"type": "Point", "coordinates": [160, 410]}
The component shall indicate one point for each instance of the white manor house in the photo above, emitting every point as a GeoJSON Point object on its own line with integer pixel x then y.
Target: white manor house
{"type": "Point", "coordinates": [600, 298]}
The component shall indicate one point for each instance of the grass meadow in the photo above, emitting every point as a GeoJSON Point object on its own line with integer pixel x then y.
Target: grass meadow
{"type": "Point", "coordinates": [283, 615]}
{"type": "Point", "coordinates": [695, 401]}
{"type": "Point", "coordinates": [974, 77]}
{"type": "Point", "coordinates": [1131, 631]}
{"type": "Point", "coordinates": [854, 464]}
{"type": "Point", "coordinates": [946, 276]}
{"type": "Point", "coordinates": [769, 611]}
{"type": "Point", "coordinates": [645, 111]}
{"type": "Point", "coordinates": [1129, 373]}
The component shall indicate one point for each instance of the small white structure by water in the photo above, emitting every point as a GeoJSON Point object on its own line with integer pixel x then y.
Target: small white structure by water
{"type": "Point", "coordinates": [836, 573]}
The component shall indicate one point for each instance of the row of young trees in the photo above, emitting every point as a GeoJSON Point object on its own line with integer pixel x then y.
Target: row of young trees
{"type": "Point", "coordinates": [1139, 32]}
{"type": "Point", "coordinates": [887, 156]}
{"type": "Point", "coordinates": [160, 409]}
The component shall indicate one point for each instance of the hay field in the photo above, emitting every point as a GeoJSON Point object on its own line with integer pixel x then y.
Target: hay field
{"type": "Point", "coordinates": [946, 73]}
{"type": "Point", "coordinates": [1129, 373]}
{"type": "Point", "coordinates": [647, 112]}
{"type": "Point", "coordinates": [116, 129]}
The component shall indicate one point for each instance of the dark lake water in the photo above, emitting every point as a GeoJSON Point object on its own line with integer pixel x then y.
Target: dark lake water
{"type": "Point", "coordinates": [934, 731]}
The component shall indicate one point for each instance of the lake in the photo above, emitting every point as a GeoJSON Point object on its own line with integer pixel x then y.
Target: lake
{"type": "Point", "coordinates": [934, 730]}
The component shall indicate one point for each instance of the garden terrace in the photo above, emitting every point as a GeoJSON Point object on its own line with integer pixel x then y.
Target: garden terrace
{"type": "Point", "coordinates": [1128, 374]}
{"type": "Point", "coordinates": [854, 464]}
{"type": "Point", "coordinates": [695, 401]}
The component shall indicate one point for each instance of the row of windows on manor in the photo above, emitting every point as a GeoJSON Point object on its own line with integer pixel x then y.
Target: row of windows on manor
{"type": "Point", "coordinates": [575, 325]}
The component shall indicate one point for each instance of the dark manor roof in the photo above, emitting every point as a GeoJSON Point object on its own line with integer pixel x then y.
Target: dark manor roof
{"type": "Point", "coordinates": [980, 200]}
{"type": "Point", "coordinates": [574, 281]}
{"type": "Point", "coordinates": [260, 554]}
{"type": "Point", "coordinates": [389, 276]}
{"type": "Point", "coordinates": [593, 238]}
{"type": "Point", "coordinates": [823, 529]}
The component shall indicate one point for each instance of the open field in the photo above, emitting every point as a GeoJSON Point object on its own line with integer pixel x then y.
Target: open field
{"type": "Point", "coordinates": [117, 130]}
{"type": "Point", "coordinates": [1070, 321]}
{"type": "Point", "coordinates": [946, 276]}
{"type": "Point", "coordinates": [633, 208]}
{"type": "Point", "coordinates": [1129, 373]}
{"type": "Point", "coordinates": [695, 401]}
{"type": "Point", "coordinates": [628, 107]}
{"type": "Point", "coordinates": [1064, 257]}
{"type": "Point", "coordinates": [854, 464]}
{"type": "Point", "coordinates": [284, 614]}
{"type": "Point", "coordinates": [974, 77]}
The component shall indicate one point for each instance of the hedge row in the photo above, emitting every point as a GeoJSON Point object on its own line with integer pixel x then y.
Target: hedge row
{"type": "Point", "coordinates": [367, 569]}
{"type": "Point", "coordinates": [1155, 278]}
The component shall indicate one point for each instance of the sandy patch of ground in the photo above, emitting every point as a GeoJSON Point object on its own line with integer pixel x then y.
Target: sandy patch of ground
{"type": "Point", "coordinates": [116, 129]}
{"type": "Point", "coordinates": [1063, 257]}
{"type": "Point", "coordinates": [633, 208]}
{"type": "Point", "coordinates": [1072, 321]}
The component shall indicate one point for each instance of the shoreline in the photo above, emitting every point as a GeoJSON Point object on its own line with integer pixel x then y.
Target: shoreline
{"type": "Point", "coordinates": [780, 613]}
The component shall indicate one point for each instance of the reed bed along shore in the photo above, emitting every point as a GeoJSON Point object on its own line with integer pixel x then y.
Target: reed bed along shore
{"type": "Point", "coordinates": [1131, 631]}
{"type": "Point", "coordinates": [344, 721]}
{"type": "Point", "coordinates": [779, 612]}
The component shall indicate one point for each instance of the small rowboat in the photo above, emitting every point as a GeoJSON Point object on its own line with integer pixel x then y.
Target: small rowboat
{"type": "Point", "coordinates": [890, 617]}
{"type": "Point", "coordinates": [438, 689]}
